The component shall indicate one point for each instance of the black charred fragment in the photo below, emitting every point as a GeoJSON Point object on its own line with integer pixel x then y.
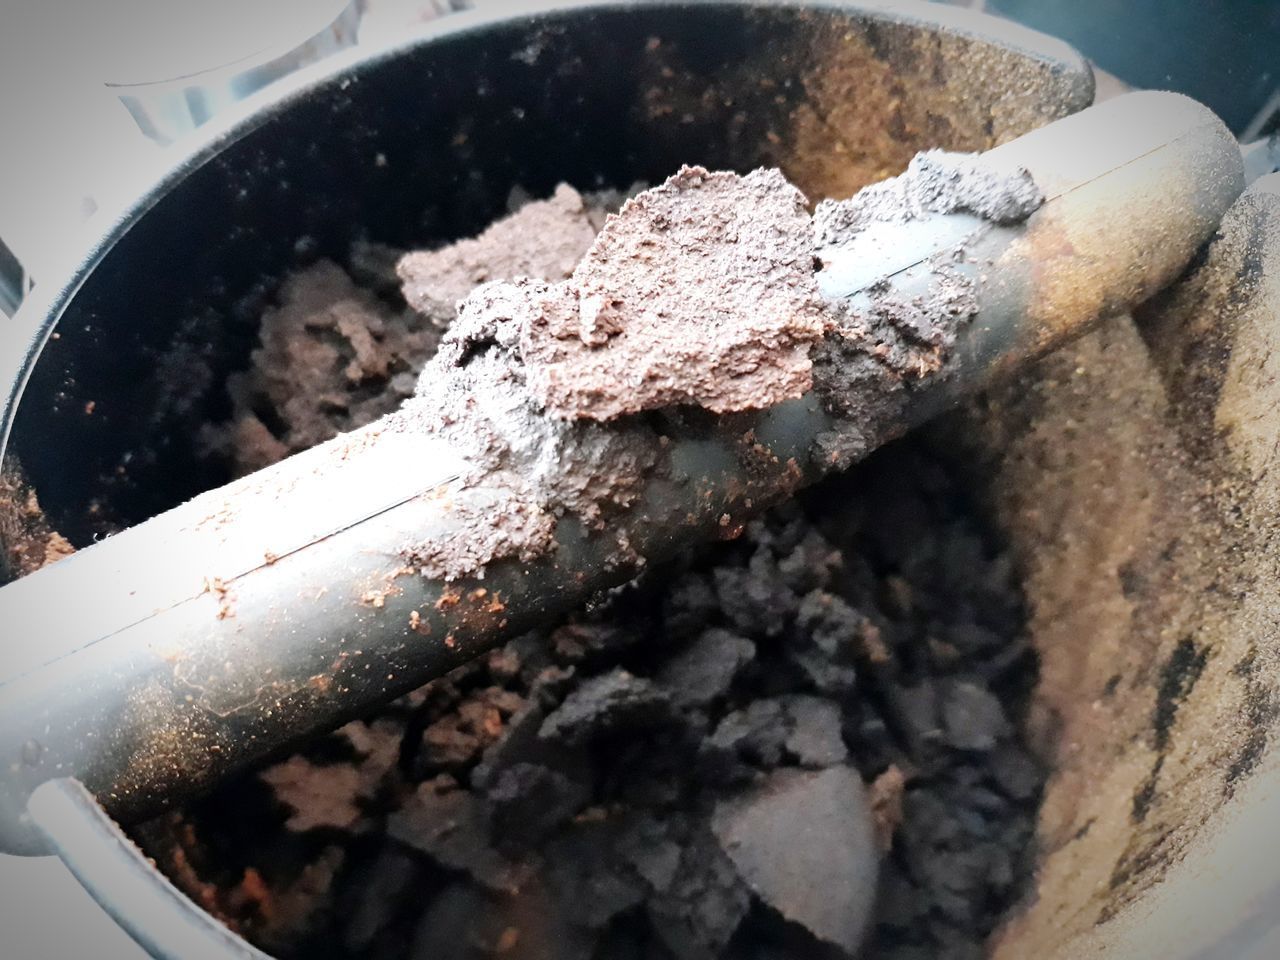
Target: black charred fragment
{"type": "Point", "coordinates": [1179, 676]}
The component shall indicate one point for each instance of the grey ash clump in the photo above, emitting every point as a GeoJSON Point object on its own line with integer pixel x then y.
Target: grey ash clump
{"type": "Point", "coordinates": [935, 181]}
{"type": "Point", "coordinates": [700, 291]}
{"type": "Point", "coordinates": [911, 337]}
{"type": "Point", "coordinates": [881, 342]}
{"type": "Point", "coordinates": [528, 469]}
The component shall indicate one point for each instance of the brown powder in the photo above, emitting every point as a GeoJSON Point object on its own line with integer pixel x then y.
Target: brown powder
{"type": "Point", "coordinates": [700, 291]}
{"type": "Point", "coordinates": [332, 357]}
{"type": "Point", "coordinates": [543, 239]}
{"type": "Point", "coordinates": [27, 541]}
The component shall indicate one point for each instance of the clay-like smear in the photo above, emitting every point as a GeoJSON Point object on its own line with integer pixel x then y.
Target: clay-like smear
{"type": "Point", "coordinates": [700, 292]}
{"type": "Point", "coordinates": [881, 342]}
{"type": "Point", "coordinates": [935, 181]}
{"type": "Point", "coordinates": [565, 225]}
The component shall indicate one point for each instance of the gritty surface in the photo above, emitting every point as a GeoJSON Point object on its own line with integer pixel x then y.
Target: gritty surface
{"type": "Point", "coordinates": [909, 338]}
{"type": "Point", "coordinates": [340, 348]}
{"type": "Point", "coordinates": [699, 292]}
{"type": "Point", "coordinates": [332, 355]}
{"type": "Point", "coordinates": [935, 181]}
{"type": "Point", "coordinates": [801, 841]}
{"type": "Point", "coordinates": [435, 281]}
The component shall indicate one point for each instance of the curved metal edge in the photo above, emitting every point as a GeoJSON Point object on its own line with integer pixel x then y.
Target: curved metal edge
{"type": "Point", "coordinates": [29, 329]}
{"type": "Point", "coordinates": [164, 922]}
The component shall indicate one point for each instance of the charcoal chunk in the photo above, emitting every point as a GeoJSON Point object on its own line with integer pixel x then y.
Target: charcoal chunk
{"type": "Point", "coordinates": [1016, 773]}
{"type": "Point", "coordinates": [757, 733]}
{"type": "Point", "coordinates": [703, 672]}
{"type": "Point", "coordinates": [588, 644]}
{"type": "Point", "coordinates": [755, 599]}
{"type": "Point", "coordinates": [688, 607]}
{"type": "Point", "coordinates": [699, 911]}
{"type": "Point", "coordinates": [584, 871]}
{"type": "Point", "coordinates": [605, 704]}
{"type": "Point", "coordinates": [530, 801]}
{"type": "Point", "coordinates": [380, 887]}
{"type": "Point", "coordinates": [458, 738]}
{"type": "Point", "coordinates": [804, 843]}
{"type": "Point", "coordinates": [811, 563]}
{"type": "Point", "coordinates": [651, 848]}
{"type": "Point", "coordinates": [464, 923]}
{"type": "Point", "coordinates": [814, 738]}
{"type": "Point", "coordinates": [459, 923]}
{"type": "Point", "coordinates": [451, 826]}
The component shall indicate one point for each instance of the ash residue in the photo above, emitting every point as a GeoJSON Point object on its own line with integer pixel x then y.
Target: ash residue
{"type": "Point", "coordinates": [580, 792]}
{"type": "Point", "coordinates": [529, 468]}
{"type": "Point", "coordinates": [881, 340]}
{"type": "Point", "coordinates": [699, 292]}
{"type": "Point", "coordinates": [679, 768]}
{"type": "Point", "coordinates": [935, 181]}
{"type": "Point", "coordinates": [27, 541]}
{"type": "Point", "coordinates": [332, 356]}
{"type": "Point", "coordinates": [543, 239]}
{"type": "Point", "coordinates": [341, 348]}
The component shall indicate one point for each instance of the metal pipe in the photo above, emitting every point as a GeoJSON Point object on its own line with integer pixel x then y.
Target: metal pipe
{"type": "Point", "coordinates": [158, 662]}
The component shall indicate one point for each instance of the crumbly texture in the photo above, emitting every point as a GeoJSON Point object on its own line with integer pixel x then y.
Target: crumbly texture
{"type": "Point", "coordinates": [699, 292]}
{"type": "Point", "coordinates": [935, 181]}
{"type": "Point", "coordinates": [559, 797]}
{"type": "Point", "coordinates": [911, 337]}
{"type": "Point", "coordinates": [27, 541]}
{"type": "Point", "coordinates": [562, 228]}
{"type": "Point", "coordinates": [340, 348]}
{"type": "Point", "coordinates": [332, 356]}
{"type": "Point", "coordinates": [714, 304]}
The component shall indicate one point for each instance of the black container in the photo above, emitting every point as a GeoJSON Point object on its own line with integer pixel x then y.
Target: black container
{"type": "Point", "coordinates": [421, 144]}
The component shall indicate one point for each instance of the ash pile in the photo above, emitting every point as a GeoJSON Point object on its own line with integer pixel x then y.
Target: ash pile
{"type": "Point", "coordinates": [805, 742]}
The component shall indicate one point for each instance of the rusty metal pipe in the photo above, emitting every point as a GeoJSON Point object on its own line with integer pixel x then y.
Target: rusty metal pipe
{"type": "Point", "coordinates": [283, 603]}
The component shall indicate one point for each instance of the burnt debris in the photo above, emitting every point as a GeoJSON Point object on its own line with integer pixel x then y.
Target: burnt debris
{"type": "Point", "coordinates": [841, 684]}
